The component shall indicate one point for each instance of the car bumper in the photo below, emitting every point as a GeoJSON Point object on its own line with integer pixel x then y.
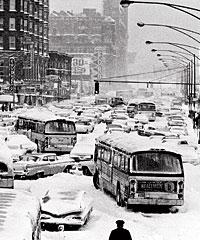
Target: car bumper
{"type": "Point", "coordinates": [161, 202]}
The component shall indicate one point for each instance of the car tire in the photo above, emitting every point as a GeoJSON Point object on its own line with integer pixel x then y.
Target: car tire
{"type": "Point", "coordinates": [119, 199]}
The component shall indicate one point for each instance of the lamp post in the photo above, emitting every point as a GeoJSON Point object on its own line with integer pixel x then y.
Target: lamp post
{"type": "Point", "coordinates": [193, 68]}
{"type": "Point", "coordinates": [182, 8]}
{"type": "Point", "coordinates": [179, 53]}
{"type": "Point", "coordinates": [175, 28]}
{"type": "Point", "coordinates": [175, 57]}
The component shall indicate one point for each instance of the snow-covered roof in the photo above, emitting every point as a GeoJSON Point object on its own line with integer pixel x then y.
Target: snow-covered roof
{"type": "Point", "coordinates": [40, 115]}
{"type": "Point", "coordinates": [132, 143]}
{"type": "Point", "coordinates": [17, 219]}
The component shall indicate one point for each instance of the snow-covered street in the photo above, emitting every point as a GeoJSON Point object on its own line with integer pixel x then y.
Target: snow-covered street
{"type": "Point", "coordinates": [183, 225]}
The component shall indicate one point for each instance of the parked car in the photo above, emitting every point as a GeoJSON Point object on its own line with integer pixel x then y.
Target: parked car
{"type": "Point", "coordinates": [16, 150]}
{"type": "Point", "coordinates": [147, 130]}
{"type": "Point", "coordinates": [142, 118]}
{"type": "Point", "coordinates": [24, 141]}
{"type": "Point", "coordinates": [84, 126]}
{"type": "Point", "coordinates": [82, 154]}
{"type": "Point", "coordinates": [40, 165]}
{"type": "Point", "coordinates": [180, 130]}
{"type": "Point", "coordinates": [65, 209]}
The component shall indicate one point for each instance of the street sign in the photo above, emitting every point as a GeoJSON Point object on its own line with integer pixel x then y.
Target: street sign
{"type": "Point", "coordinates": [97, 64]}
{"type": "Point", "coordinates": [12, 70]}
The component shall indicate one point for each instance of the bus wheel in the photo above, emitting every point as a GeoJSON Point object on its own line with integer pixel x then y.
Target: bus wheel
{"type": "Point", "coordinates": [119, 199]}
{"type": "Point", "coordinates": [96, 180]}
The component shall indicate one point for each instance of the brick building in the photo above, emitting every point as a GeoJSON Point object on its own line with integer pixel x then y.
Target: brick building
{"type": "Point", "coordinates": [24, 36]}
{"type": "Point", "coordinates": [95, 42]}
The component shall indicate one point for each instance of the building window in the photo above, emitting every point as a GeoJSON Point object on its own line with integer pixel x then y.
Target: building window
{"type": "Point", "coordinates": [40, 47]}
{"type": "Point", "coordinates": [41, 30]}
{"type": "Point", "coordinates": [46, 15]}
{"type": "Point", "coordinates": [12, 42]}
{"type": "Point", "coordinates": [36, 11]}
{"type": "Point", "coordinates": [25, 25]}
{"type": "Point", "coordinates": [21, 24]}
{"type": "Point", "coordinates": [1, 5]}
{"type": "Point", "coordinates": [30, 26]}
{"type": "Point", "coordinates": [40, 13]}
{"type": "Point", "coordinates": [1, 24]}
{"type": "Point", "coordinates": [31, 8]}
{"type": "Point", "coordinates": [25, 6]}
{"type": "Point", "coordinates": [1, 42]}
{"type": "Point", "coordinates": [36, 29]}
{"type": "Point", "coordinates": [46, 2]}
{"type": "Point", "coordinates": [45, 31]}
{"type": "Point", "coordinates": [12, 5]}
{"type": "Point", "coordinates": [22, 5]}
{"type": "Point", "coordinates": [12, 24]}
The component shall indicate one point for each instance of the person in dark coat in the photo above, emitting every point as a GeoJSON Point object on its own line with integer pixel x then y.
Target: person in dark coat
{"type": "Point", "coordinates": [120, 233]}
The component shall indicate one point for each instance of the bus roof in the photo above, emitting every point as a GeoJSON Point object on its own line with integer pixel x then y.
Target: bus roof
{"type": "Point", "coordinates": [40, 115]}
{"type": "Point", "coordinates": [18, 213]}
{"type": "Point", "coordinates": [131, 143]}
{"type": "Point", "coordinates": [146, 101]}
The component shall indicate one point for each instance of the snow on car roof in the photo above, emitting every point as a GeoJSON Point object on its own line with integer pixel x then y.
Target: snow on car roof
{"type": "Point", "coordinates": [131, 143]}
{"type": "Point", "coordinates": [15, 217]}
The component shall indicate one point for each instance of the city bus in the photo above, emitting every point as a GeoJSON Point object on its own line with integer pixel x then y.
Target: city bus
{"type": "Point", "coordinates": [136, 171]}
{"type": "Point", "coordinates": [147, 108]}
{"type": "Point", "coordinates": [51, 133]}
{"type": "Point", "coordinates": [20, 215]}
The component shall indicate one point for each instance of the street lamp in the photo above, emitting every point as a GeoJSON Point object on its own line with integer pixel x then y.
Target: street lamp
{"type": "Point", "coordinates": [193, 67]}
{"type": "Point", "coordinates": [182, 8]}
{"type": "Point", "coordinates": [175, 57]}
{"type": "Point", "coordinates": [175, 28]}
{"type": "Point", "coordinates": [179, 53]}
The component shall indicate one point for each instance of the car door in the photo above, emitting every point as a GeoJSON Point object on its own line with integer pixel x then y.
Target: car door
{"type": "Point", "coordinates": [45, 166]}
{"type": "Point", "coordinates": [54, 164]}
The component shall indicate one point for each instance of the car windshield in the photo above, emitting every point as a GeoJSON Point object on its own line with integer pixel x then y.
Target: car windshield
{"type": "Point", "coordinates": [156, 162]}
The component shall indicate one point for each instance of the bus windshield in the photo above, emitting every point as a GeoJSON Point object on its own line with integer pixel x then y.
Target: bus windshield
{"type": "Point", "coordinates": [156, 162]}
{"type": "Point", "coordinates": [60, 127]}
{"type": "Point", "coordinates": [147, 107]}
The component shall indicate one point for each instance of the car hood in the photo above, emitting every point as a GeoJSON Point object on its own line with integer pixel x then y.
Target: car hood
{"type": "Point", "coordinates": [63, 203]}
{"type": "Point", "coordinates": [58, 207]}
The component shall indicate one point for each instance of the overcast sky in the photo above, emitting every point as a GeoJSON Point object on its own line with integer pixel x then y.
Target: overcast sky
{"type": "Point", "coordinates": [148, 13]}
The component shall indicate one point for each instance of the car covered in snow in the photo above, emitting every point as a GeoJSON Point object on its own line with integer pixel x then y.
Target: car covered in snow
{"type": "Point", "coordinates": [84, 126]}
{"type": "Point", "coordinates": [65, 209]}
{"type": "Point", "coordinates": [82, 154]}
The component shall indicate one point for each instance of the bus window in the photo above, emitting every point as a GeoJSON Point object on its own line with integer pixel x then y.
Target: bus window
{"type": "Point", "coordinates": [157, 162]}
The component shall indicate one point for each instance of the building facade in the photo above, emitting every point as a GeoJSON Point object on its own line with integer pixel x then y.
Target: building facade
{"type": "Point", "coordinates": [92, 38]}
{"type": "Point", "coordinates": [24, 26]}
{"type": "Point", "coordinates": [113, 9]}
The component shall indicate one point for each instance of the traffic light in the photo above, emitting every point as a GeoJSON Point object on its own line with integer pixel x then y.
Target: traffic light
{"type": "Point", "coordinates": [96, 88]}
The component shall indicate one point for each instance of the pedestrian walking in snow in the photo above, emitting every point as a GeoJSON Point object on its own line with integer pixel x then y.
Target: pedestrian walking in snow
{"type": "Point", "coordinates": [120, 233]}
